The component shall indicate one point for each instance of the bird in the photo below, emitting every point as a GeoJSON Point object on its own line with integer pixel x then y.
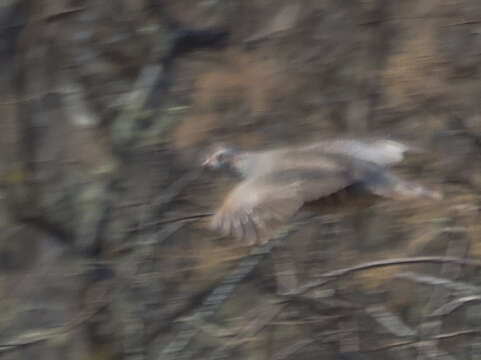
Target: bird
{"type": "Point", "coordinates": [277, 182]}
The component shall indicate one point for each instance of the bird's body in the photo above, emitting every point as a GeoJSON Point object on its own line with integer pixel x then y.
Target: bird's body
{"type": "Point", "coordinates": [278, 182]}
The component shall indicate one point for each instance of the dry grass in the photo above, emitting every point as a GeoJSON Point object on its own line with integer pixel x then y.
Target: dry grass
{"type": "Point", "coordinates": [193, 129]}
{"type": "Point", "coordinates": [416, 70]}
{"type": "Point", "coordinates": [241, 81]}
{"type": "Point", "coordinates": [244, 77]}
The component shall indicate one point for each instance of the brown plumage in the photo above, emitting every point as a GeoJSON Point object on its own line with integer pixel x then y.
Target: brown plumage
{"type": "Point", "coordinates": [278, 182]}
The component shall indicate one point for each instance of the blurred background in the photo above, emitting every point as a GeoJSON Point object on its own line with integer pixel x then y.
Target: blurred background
{"type": "Point", "coordinates": [106, 108]}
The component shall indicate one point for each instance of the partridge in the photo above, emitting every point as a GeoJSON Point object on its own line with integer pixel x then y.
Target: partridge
{"type": "Point", "coordinates": [276, 183]}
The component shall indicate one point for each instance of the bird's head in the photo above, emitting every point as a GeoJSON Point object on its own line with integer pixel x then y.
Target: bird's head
{"type": "Point", "coordinates": [220, 157]}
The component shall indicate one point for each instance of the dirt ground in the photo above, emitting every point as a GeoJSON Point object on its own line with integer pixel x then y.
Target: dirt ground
{"type": "Point", "coordinates": [106, 110]}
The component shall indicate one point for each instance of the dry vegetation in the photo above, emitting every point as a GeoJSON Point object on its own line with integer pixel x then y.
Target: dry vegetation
{"type": "Point", "coordinates": [105, 110]}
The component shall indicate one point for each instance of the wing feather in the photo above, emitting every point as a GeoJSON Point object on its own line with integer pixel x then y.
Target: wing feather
{"type": "Point", "coordinates": [381, 152]}
{"type": "Point", "coordinates": [260, 203]}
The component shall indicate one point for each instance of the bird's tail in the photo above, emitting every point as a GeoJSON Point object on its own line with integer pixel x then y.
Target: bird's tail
{"type": "Point", "coordinates": [405, 190]}
{"type": "Point", "coordinates": [391, 186]}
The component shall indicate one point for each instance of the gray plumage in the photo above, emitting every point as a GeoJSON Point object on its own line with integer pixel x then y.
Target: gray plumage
{"type": "Point", "coordinates": [277, 182]}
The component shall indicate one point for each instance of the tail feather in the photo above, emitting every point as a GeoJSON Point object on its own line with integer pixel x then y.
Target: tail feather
{"type": "Point", "coordinates": [409, 191]}
{"type": "Point", "coordinates": [391, 186]}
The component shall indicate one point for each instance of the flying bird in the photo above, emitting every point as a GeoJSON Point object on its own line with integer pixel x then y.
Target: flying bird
{"type": "Point", "coordinates": [277, 182]}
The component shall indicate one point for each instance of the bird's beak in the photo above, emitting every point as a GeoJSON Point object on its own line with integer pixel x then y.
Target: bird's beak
{"type": "Point", "coordinates": [206, 162]}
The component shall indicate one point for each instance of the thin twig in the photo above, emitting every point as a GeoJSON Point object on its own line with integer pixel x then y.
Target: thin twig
{"type": "Point", "coordinates": [438, 281]}
{"type": "Point", "coordinates": [292, 349]}
{"type": "Point", "coordinates": [134, 101]}
{"type": "Point", "coordinates": [218, 296]}
{"type": "Point", "coordinates": [164, 199]}
{"type": "Point", "coordinates": [39, 335]}
{"type": "Point", "coordinates": [430, 325]}
{"type": "Point", "coordinates": [458, 333]}
{"type": "Point", "coordinates": [402, 261]}
{"type": "Point", "coordinates": [390, 321]}
{"type": "Point", "coordinates": [455, 304]}
{"type": "Point", "coordinates": [349, 340]}
{"type": "Point", "coordinates": [263, 317]}
{"type": "Point", "coordinates": [328, 276]}
{"type": "Point", "coordinates": [155, 224]}
{"type": "Point", "coordinates": [413, 342]}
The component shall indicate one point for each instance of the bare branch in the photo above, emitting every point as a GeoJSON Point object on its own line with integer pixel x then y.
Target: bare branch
{"type": "Point", "coordinates": [402, 261]}
{"type": "Point", "coordinates": [156, 224]}
{"type": "Point", "coordinates": [292, 349]}
{"type": "Point", "coordinates": [331, 275]}
{"type": "Point", "coordinates": [219, 295]}
{"type": "Point", "coordinates": [437, 281]}
{"type": "Point", "coordinates": [455, 304]}
{"type": "Point", "coordinates": [390, 321]}
{"type": "Point", "coordinates": [262, 316]}
{"type": "Point", "coordinates": [39, 335]}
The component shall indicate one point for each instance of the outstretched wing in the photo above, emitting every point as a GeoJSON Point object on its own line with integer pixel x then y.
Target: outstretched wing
{"type": "Point", "coordinates": [260, 203]}
{"type": "Point", "coordinates": [381, 152]}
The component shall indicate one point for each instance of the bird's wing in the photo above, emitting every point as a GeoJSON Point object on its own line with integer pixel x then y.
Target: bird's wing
{"type": "Point", "coordinates": [261, 202]}
{"type": "Point", "coordinates": [382, 152]}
